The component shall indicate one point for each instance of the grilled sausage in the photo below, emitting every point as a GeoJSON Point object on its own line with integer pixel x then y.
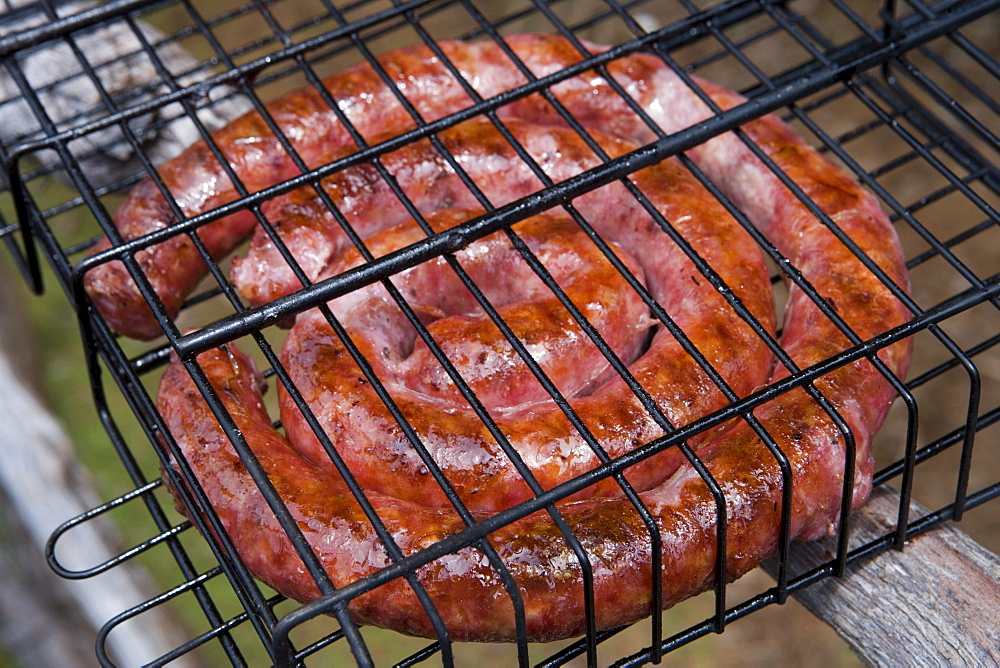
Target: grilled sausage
{"type": "Point", "coordinates": [377, 449]}
{"type": "Point", "coordinates": [548, 575]}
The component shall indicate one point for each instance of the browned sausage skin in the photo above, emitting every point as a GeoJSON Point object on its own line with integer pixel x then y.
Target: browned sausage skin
{"type": "Point", "coordinates": [552, 448]}
{"type": "Point", "coordinates": [617, 542]}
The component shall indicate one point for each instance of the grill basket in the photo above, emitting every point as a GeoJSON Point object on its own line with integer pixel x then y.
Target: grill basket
{"type": "Point", "coordinates": [904, 96]}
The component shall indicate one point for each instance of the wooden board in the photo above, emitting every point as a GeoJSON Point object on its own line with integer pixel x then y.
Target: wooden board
{"type": "Point", "coordinates": [48, 621]}
{"type": "Point", "coordinates": [936, 602]}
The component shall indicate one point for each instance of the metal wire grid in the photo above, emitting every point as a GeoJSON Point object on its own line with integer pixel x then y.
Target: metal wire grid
{"type": "Point", "coordinates": [898, 68]}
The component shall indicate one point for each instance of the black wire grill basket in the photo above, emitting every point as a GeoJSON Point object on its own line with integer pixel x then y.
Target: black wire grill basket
{"type": "Point", "coordinates": [904, 95]}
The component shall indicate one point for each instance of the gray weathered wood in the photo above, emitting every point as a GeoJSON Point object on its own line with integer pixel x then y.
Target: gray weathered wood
{"type": "Point", "coordinates": [935, 603]}
{"type": "Point", "coordinates": [41, 625]}
{"type": "Point", "coordinates": [48, 621]}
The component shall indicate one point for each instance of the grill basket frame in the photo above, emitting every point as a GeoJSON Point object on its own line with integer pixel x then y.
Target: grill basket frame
{"type": "Point", "coordinates": [893, 66]}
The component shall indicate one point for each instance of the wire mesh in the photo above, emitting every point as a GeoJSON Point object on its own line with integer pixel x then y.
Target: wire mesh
{"type": "Point", "coordinates": [904, 96]}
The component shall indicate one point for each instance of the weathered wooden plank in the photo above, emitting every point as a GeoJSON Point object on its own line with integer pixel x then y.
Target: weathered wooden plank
{"type": "Point", "coordinates": [41, 625]}
{"type": "Point", "coordinates": [936, 602]}
{"type": "Point", "coordinates": [48, 621]}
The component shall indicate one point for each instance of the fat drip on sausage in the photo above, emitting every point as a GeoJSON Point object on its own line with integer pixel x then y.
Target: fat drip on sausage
{"type": "Point", "coordinates": [467, 592]}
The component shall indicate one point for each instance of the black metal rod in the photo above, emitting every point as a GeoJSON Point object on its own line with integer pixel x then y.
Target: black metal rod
{"type": "Point", "coordinates": [839, 64]}
{"type": "Point", "coordinates": [91, 17]}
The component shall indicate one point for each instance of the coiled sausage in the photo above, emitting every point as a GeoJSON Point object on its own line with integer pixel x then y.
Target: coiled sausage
{"type": "Point", "coordinates": [536, 555]}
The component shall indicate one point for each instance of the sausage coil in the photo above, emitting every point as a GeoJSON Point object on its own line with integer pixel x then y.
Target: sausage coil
{"type": "Point", "coordinates": [466, 591]}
